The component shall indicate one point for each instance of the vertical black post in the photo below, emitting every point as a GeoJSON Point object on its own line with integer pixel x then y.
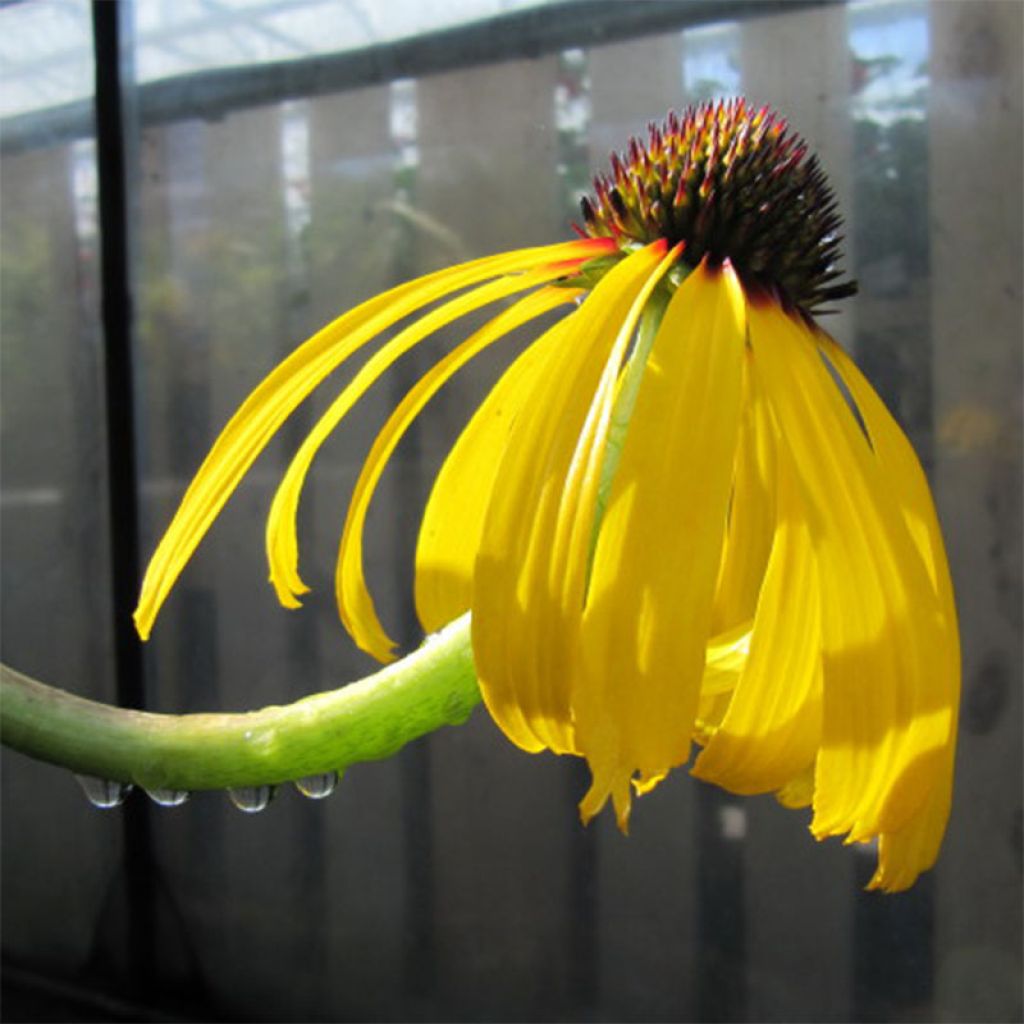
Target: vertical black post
{"type": "Point", "coordinates": [584, 987]}
{"type": "Point", "coordinates": [721, 988]}
{"type": "Point", "coordinates": [117, 318]}
{"type": "Point", "coordinates": [115, 277]}
{"type": "Point", "coordinates": [894, 950]}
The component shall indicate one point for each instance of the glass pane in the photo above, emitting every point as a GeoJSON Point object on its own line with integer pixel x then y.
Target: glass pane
{"type": "Point", "coordinates": [60, 856]}
{"type": "Point", "coordinates": [454, 881]}
{"type": "Point", "coordinates": [191, 35]}
{"type": "Point", "coordinates": [43, 62]}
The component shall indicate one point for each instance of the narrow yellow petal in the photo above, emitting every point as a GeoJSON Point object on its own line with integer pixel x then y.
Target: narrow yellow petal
{"type": "Point", "coordinates": [748, 539]}
{"type": "Point", "coordinates": [884, 727]}
{"type": "Point", "coordinates": [711, 709]}
{"type": "Point", "coordinates": [648, 611]}
{"type": "Point", "coordinates": [270, 404]}
{"type": "Point", "coordinates": [573, 533]}
{"type": "Point", "coordinates": [522, 637]}
{"type": "Point", "coordinates": [798, 792]}
{"type": "Point", "coordinates": [910, 488]}
{"type": "Point", "coordinates": [772, 727]}
{"type": "Point", "coordinates": [903, 855]}
{"type": "Point", "coordinates": [452, 524]}
{"type": "Point", "coordinates": [452, 532]}
{"type": "Point", "coordinates": [355, 603]}
{"type": "Point", "coordinates": [915, 847]}
{"type": "Point", "coordinates": [556, 609]}
{"type": "Point", "coordinates": [726, 657]}
{"type": "Point", "coordinates": [281, 535]}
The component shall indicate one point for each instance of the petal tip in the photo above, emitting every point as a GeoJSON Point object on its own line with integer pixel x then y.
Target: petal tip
{"type": "Point", "coordinates": [143, 624]}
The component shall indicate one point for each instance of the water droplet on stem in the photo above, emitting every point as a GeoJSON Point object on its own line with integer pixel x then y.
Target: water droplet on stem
{"type": "Point", "coordinates": [104, 793]}
{"type": "Point", "coordinates": [251, 799]}
{"type": "Point", "coordinates": [316, 787]}
{"type": "Point", "coordinates": [168, 797]}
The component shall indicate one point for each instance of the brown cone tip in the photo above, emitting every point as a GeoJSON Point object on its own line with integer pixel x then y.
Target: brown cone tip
{"type": "Point", "coordinates": [730, 183]}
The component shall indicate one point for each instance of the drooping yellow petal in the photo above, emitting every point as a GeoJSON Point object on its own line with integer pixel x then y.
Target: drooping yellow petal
{"type": "Point", "coordinates": [798, 792]}
{"type": "Point", "coordinates": [711, 709]}
{"type": "Point", "coordinates": [647, 619]}
{"type": "Point", "coordinates": [523, 635]}
{"type": "Point", "coordinates": [354, 601]}
{"type": "Point", "coordinates": [281, 533]}
{"type": "Point", "coordinates": [748, 539]}
{"type": "Point", "coordinates": [772, 727]}
{"type": "Point", "coordinates": [884, 727]}
{"type": "Point", "coordinates": [725, 659]}
{"type": "Point", "coordinates": [452, 524]}
{"type": "Point", "coordinates": [597, 450]}
{"type": "Point", "coordinates": [270, 404]}
{"type": "Point", "coordinates": [902, 855]}
{"type": "Point", "coordinates": [910, 489]}
{"type": "Point", "coordinates": [572, 540]}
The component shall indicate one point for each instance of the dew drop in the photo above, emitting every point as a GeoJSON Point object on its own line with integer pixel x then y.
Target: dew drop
{"type": "Point", "coordinates": [251, 799]}
{"type": "Point", "coordinates": [316, 787]}
{"type": "Point", "coordinates": [104, 793]}
{"type": "Point", "coordinates": [168, 797]}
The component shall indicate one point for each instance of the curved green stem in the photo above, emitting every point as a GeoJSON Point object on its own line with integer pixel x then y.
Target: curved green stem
{"type": "Point", "coordinates": [364, 721]}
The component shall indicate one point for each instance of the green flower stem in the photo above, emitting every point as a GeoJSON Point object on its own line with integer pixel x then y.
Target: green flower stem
{"type": "Point", "coordinates": [364, 721]}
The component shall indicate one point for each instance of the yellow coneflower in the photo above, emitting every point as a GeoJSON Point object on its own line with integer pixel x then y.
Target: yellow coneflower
{"type": "Point", "coordinates": [681, 514]}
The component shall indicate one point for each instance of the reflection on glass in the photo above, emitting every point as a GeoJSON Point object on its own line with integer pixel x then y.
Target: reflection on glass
{"type": "Point", "coordinates": [55, 617]}
{"type": "Point", "coordinates": [43, 62]}
{"type": "Point", "coordinates": [889, 99]}
{"type": "Point", "coordinates": [572, 115]}
{"type": "Point", "coordinates": [193, 35]}
{"type": "Point", "coordinates": [711, 64]}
